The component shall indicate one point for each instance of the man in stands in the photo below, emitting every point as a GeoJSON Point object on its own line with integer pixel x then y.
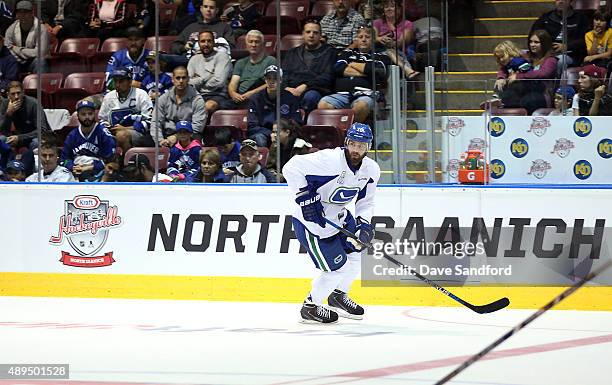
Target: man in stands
{"type": "Point", "coordinates": [308, 68]}
{"type": "Point", "coordinates": [247, 78]}
{"type": "Point", "coordinates": [132, 58]}
{"type": "Point", "coordinates": [22, 39]}
{"type": "Point", "coordinates": [126, 112]}
{"type": "Point", "coordinates": [50, 170]}
{"type": "Point", "coordinates": [181, 102]}
{"type": "Point", "coordinates": [249, 170]}
{"type": "Point", "coordinates": [339, 27]}
{"type": "Point", "coordinates": [355, 71]}
{"type": "Point", "coordinates": [208, 73]}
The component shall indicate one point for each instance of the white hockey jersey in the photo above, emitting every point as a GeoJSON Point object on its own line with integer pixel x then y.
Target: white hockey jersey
{"type": "Point", "coordinates": [328, 173]}
{"type": "Point", "coordinates": [60, 174]}
{"type": "Point", "coordinates": [137, 103]}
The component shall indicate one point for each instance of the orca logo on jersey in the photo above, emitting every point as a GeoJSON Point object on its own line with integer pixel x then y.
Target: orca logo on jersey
{"type": "Point", "coordinates": [343, 195]}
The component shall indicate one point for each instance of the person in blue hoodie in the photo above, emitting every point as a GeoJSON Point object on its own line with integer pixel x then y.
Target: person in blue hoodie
{"type": "Point", "coordinates": [89, 146]}
{"type": "Point", "coordinates": [184, 160]}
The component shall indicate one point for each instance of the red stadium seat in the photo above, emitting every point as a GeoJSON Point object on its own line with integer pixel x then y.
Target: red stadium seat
{"type": "Point", "coordinates": [149, 152]}
{"type": "Point", "coordinates": [114, 44]}
{"type": "Point", "coordinates": [267, 25]}
{"type": "Point", "coordinates": [165, 43]}
{"type": "Point", "coordinates": [291, 41]}
{"type": "Point", "coordinates": [323, 136]}
{"type": "Point", "coordinates": [321, 8]}
{"type": "Point", "coordinates": [49, 84]}
{"type": "Point", "coordinates": [509, 112]}
{"type": "Point", "coordinates": [261, 6]}
{"type": "Point", "coordinates": [297, 9]}
{"type": "Point", "coordinates": [78, 86]}
{"type": "Point", "coordinates": [74, 55]}
{"type": "Point", "coordinates": [236, 118]}
{"type": "Point", "coordinates": [341, 119]}
{"type": "Point", "coordinates": [264, 152]}
{"type": "Point", "coordinates": [83, 47]}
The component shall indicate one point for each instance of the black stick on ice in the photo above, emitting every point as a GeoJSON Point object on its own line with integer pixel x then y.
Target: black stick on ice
{"type": "Point", "coordinates": [526, 322]}
{"type": "Point", "coordinates": [480, 309]}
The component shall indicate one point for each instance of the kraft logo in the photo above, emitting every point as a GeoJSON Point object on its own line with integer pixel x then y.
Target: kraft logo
{"type": "Point", "coordinates": [604, 148]}
{"type": "Point", "coordinates": [498, 168]}
{"type": "Point", "coordinates": [497, 127]}
{"type": "Point", "coordinates": [583, 169]}
{"type": "Point", "coordinates": [583, 127]}
{"type": "Point", "coordinates": [343, 195]}
{"type": "Point", "coordinates": [519, 147]}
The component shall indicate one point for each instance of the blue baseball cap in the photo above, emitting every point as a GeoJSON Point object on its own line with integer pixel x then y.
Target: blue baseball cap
{"type": "Point", "coordinates": [184, 125]}
{"type": "Point", "coordinates": [15, 165]}
{"type": "Point", "coordinates": [85, 104]}
{"type": "Point", "coordinates": [121, 73]}
{"type": "Point", "coordinates": [568, 92]}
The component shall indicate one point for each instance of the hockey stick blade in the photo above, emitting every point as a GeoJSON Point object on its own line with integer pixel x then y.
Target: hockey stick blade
{"type": "Point", "coordinates": [480, 309]}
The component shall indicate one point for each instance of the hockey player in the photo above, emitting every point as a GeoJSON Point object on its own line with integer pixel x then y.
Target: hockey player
{"type": "Point", "coordinates": [325, 182]}
{"type": "Point", "coordinates": [88, 146]}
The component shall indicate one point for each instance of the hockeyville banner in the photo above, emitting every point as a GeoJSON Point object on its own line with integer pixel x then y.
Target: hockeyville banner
{"type": "Point", "coordinates": [544, 236]}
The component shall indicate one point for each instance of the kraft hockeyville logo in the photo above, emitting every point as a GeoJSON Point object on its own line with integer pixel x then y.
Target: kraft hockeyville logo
{"type": "Point", "coordinates": [85, 224]}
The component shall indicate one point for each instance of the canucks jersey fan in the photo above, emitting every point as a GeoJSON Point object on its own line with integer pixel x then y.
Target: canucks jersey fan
{"type": "Point", "coordinates": [126, 112]}
{"type": "Point", "coordinates": [88, 146]}
{"type": "Point", "coordinates": [325, 183]}
{"type": "Point", "coordinates": [133, 58]}
{"type": "Point", "coordinates": [184, 159]}
{"type": "Point", "coordinates": [164, 78]}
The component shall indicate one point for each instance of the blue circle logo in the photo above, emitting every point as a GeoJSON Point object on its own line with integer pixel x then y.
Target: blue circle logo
{"type": "Point", "coordinates": [583, 127]}
{"type": "Point", "coordinates": [604, 148]}
{"type": "Point", "coordinates": [583, 169]}
{"type": "Point", "coordinates": [519, 147]}
{"type": "Point", "coordinates": [497, 127]}
{"type": "Point", "coordinates": [498, 168]}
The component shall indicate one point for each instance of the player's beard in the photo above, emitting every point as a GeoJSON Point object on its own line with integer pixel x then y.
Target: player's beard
{"type": "Point", "coordinates": [86, 122]}
{"type": "Point", "coordinates": [354, 157]}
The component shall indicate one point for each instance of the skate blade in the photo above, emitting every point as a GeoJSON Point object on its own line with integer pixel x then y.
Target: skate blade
{"type": "Point", "coordinates": [345, 314]}
{"type": "Point", "coordinates": [313, 322]}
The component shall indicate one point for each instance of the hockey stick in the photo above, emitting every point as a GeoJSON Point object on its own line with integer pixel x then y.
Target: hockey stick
{"type": "Point", "coordinates": [480, 309]}
{"type": "Point", "coordinates": [526, 322]}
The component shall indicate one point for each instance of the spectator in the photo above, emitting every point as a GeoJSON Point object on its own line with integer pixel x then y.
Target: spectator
{"type": "Point", "coordinates": [155, 90]}
{"type": "Point", "coordinates": [563, 101]}
{"type": "Point", "coordinates": [308, 68]}
{"type": "Point", "coordinates": [181, 102]}
{"type": "Point", "coordinates": [9, 68]}
{"type": "Point", "coordinates": [229, 148]}
{"type": "Point", "coordinates": [599, 41]}
{"type": "Point", "coordinates": [339, 27]}
{"type": "Point", "coordinates": [211, 170]}
{"type": "Point", "coordinates": [50, 170]}
{"type": "Point", "coordinates": [138, 169]}
{"type": "Point", "coordinates": [593, 98]}
{"type": "Point", "coordinates": [126, 111]}
{"type": "Point", "coordinates": [107, 18]}
{"type": "Point", "coordinates": [261, 119]}
{"type": "Point", "coordinates": [182, 47]}
{"type": "Point", "coordinates": [15, 171]}
{"type": "Point", "coordinates": [577, 26]}
{"type": "Point", "coordinates": [20, 110]}
{"type": "Point", "coordinates": [22, 39]}
{"type": "Point", "coordinates": [241, 17]}
{"type": "Point", "coordinates": [393, 31]}
{"type": "Point", "coordinates": [132, 58]}
{"type": "Point", "coordinates": [291, 144]}
{"type": "Point", "coordinates": [249, 170]}
{"type": "Point", "coordinates": [208, 73]}
{"type": "Point", "coordinates": [532, 89]}
{"type": "Point", "coordinates": [358, 72]}
{"type": "Point", "coordinates": [187, 12]}
{"type": "Point", "coordinates": [88, 146]}
{"type": "Point", "coordinates": [428, 36]}
{"type": "Point", "coordinates": [69, 20]}
{"type": "Point", "coordinates": [510, 61]}
{"type": "Point", "coordinates": [184, 160]}
{"type": "Point", "coordinates": [247, 78]}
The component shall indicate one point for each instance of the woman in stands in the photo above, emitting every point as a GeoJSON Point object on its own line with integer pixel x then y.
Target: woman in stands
{"type": "Point", "coordinates": [533, 89]}
{"type": "Point", "coordinates": [211, 170]}
{"type": "Point", "coordinates": [107, 18]}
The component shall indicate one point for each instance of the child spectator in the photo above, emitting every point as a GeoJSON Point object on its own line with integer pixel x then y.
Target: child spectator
{"type": "Point", "coordinates": [563, 101]}
{"type": "Point", "coordinates": [211, 170]}
{"type": "Point", "coordinates": [184, 160]}
{"type": "Point", "coordinates": [599, 41]}
{"type": "Point", "coordinates": [592, 97]}
{"type": "Point", "coordinates": [165, 78]}
{"type": "Point", "coordinates": [510, 61]}
{"type": "Point", "coordinates": [15, 171]}
{"type": "Point", "coordinates": [241, 17]}
{"type": "Point", "coordinates": [228, 147]}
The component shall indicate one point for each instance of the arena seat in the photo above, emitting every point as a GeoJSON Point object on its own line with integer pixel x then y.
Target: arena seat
{"type": "Point", "coordinates": [341, 119]}
{"type": "Point", "coordinates": [149, 152]}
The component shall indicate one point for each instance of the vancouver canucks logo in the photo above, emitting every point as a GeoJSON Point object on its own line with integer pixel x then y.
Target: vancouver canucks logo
{"type": "Point", "coordinates": [343, 195]}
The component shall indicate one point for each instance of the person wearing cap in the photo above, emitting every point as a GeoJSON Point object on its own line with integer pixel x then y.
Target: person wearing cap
{"type": "Point", "coordinates": [309, 68]}
{"type": "Point", "coordinates": [155, 90]}
{"type": "Point", "coordinates": [15, 171]}
{"type": "Point", "coordinates": [593, 97]}
{"type": "Point", "coordinates": [126, 112]}
{"type": "Point", "coordinates": [261, 118]}
{"type": "Point", "coordinates": [89, 146]}
{"type": "Point", "coordinates": [247, 78]}
{"type": "Point", "coordinates": [208, 73]}
{"type": "Point", "coordinates": [564, 96]}
{"type": "Point", "coordinates": [358, 72]}
{"type": "Point", "coordinates": [9, 68]}
{"type": "Point", "coordinates": [184, 159]}
{"type": "Point", "coordinates": [138, 169]}
{"type": "Point", "coordinates": [49, 169]}
{"type": "Point", "coordinates": [22, 39]}
{"type": "Point", "coordinates": [133, 58]}
{"type": "Point", "coordinates": [19, 110]}
{"type": "Point", "coordinates": [107, 18]}
{"type": "Point", "coordinates": [181, 102]}
{"type": "Point", "coordinates": [249, 170]}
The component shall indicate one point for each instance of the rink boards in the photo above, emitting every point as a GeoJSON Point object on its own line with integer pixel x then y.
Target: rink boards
{"type": "Point", "coordinates": [235, 243]}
